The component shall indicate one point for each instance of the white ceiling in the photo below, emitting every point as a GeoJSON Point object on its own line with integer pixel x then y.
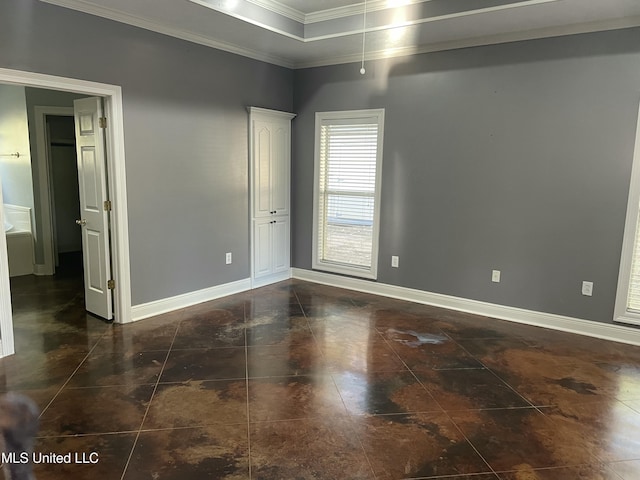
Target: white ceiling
{"type": "Point", "coordinates": [304, 33]}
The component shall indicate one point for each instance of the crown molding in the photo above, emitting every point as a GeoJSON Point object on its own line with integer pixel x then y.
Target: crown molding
{"type": "Point", "coordinates": [356, 9]}
{"type": "Point", "coordinates": [536, 34]}
{"type": "Point", "coordinates": [329, 13]}
{"type": "Point", "coordinates": [280, 9]}
{"type": "Point", "coordinates": [377, 5]}
{"type": "Point", "coordinates": [136, 21]}
{"type": "Point", "coordinates": [248, 19]}
{"type": "Point", "coordinates": [419, 21]}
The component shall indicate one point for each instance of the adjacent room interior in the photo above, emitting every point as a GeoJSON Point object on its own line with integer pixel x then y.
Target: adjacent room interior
{"type": "Point", "coordinates": [361, 240]}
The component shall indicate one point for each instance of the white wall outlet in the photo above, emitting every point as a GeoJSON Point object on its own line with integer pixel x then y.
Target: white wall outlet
{"type": "Point", "coordinates": [587, 288]}
{"type": "Point", "coordinates": [395, 261]}
{"type": "Point", "coordinates": [228, 258]}
{"type": "Point", "coordinates": [495, 276]}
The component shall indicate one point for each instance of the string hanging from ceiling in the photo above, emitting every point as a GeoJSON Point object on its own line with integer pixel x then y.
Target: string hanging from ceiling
{"type": "Point", "coordinates": [364, 35]}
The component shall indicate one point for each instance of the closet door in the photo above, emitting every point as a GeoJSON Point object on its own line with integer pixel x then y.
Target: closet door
{"type": "Point", "coordinates": [262, 160]}
{"type": "Point", "coordinates": [271, 167]}
{"type": "Point", "coordinates": [280, 167]}
{"type": "Point", "coordinates": [280, 239]}
{"type": "Point", "coordinates": [262, 248]}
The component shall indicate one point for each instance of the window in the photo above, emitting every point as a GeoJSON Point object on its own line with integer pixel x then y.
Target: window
{"type": "Point", "coordinates": [627, 307]}
{"type": "Point", "coordinates": [348, 164]}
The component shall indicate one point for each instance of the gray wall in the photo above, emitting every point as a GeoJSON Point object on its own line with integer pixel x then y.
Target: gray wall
{"type": "Point", "coordinates": [185, 135]}
{"type": "Point", "coordinates": [514, 157]}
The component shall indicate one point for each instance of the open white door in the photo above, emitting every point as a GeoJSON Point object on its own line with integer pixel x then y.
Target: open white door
{"type": "Point", "coordinates": [6, 320]}
{"type": "Point", "coordinates": [94, 213]}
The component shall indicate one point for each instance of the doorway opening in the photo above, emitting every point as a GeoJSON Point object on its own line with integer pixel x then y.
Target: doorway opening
{"type": "Point", "coordinates": [58, 285]}
{"type": "Point", "coordinates": [64, 201]}
{"type": "Point", "coordinates": [115, 170]}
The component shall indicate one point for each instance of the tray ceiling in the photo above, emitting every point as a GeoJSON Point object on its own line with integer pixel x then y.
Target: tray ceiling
{"type": "Point", "coordinates": [304, 33]}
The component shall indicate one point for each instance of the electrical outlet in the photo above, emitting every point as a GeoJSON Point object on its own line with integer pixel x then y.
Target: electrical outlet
{"type": "Point", "coordinates": [395, 261]}
{"type": "Point", "coordinates": [495, 276]}
{"type": "Point", "coordinates": [228, 258]}
{"type": "Point", "coordinates": [587, 288]}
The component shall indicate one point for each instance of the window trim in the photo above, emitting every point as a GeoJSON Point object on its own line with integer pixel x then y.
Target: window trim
{"type": "Point", "coordinates": [621, 313]}
{"type": "Point", "coordinates": [378, 116]}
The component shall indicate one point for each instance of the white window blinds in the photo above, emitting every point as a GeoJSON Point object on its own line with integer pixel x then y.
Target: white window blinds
{"type": "Point", "coordinates": [633, 299]}
{"type": "Point", "coordinates": [348, 156]}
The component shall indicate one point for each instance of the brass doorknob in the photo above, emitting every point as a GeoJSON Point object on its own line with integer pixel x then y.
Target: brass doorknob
{"type": "Point", "coordinates": [81, 222]}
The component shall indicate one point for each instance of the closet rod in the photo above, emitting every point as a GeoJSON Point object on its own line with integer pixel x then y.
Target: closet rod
{"type": "Point", "coordinates": [17, 155]}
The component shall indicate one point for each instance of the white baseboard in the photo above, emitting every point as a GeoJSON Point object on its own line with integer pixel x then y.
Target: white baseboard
{"type": "Point", "coordinates": [40, 269]}
{"type": "Point", "coordinates": [606, 331]}
{"type": "Point", "coordinates": [278, 277]}
{"type": "Point", "coordinates": [146, 310]}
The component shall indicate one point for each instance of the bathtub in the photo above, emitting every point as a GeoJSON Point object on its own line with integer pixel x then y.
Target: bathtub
{"type": "Point", "coordinates": [17, 228]}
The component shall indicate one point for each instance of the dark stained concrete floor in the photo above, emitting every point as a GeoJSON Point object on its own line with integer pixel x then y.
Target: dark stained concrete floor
{"type": "Point", "coordinates": [303, 381]}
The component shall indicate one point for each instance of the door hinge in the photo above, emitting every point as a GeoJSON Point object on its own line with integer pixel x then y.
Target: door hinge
{"type": "Point", "coordinates": [107, 205]}
{"type": "Point", "coordinates": [111, 284]}
{"type": "Point", "coordinates": [103, 122]}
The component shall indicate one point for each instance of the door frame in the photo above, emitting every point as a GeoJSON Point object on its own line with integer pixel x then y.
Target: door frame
{"type": "Point", "coordinates": [44, 179]}
{"type": "Point", "coordinates": [116, 171]}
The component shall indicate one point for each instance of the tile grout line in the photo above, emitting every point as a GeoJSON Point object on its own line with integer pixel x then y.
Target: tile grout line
{"type": "Point", "coordinates": [531, 404]}
{"type": "Point", "coordinates": [458, 428]}
{"type": "Point", "coordinates": [593, 455]}
{"type": "Point", "coordinates": [84, 359]}
{"type": "Point", "coordinates": [334, 383]}
{"type": "Point", "coordinates": [438, 403]}
{"type": "Point", "coordinates": [610, 470]}
{"type": "Point", "coordinates": [153, 393]}
{"type": "Point", "coordinates": [546, 469]}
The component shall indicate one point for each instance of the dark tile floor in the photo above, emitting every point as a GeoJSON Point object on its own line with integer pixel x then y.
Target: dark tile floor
{"type": "Point", "coordinates": [298, 381]}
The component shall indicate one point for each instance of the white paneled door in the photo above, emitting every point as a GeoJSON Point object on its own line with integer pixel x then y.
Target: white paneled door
{"type": "Point", "coordinates": [280, 241]}
{"type": "Point", "coordinates": [94, 213]}
{"type": "Point", "coordinates": [271, 168]}
{"type": "Point", "coordinates": [263, 248]}
{"type": "Point", "coordinates": [270, 246]}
